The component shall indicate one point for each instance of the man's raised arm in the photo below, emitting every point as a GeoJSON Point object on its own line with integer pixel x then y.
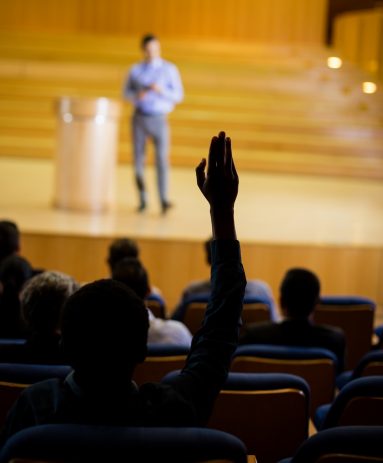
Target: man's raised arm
{"type": "Point", "coordinates": [209, 360]}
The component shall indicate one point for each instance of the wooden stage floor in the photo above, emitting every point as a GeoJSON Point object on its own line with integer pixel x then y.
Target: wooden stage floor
{"type": "Point", "coordinates": [271, 208]}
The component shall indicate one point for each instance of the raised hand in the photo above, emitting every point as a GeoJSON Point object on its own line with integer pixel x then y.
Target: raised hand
{"type": "Point", "coordinates": [219, 185]}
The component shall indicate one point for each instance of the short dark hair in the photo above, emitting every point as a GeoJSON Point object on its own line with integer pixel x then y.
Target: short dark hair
{"type": "Point", "coordinates": [105, 324]}
{"type": "Point", "coordinates": [121, 248]}
{"type": "Point", "coordinates": [9, 238]}
{"type": "Point", "coordinates": [300, 289]}
{"type": "Point", "coordinates": [15, 270]}
{"type": "Point", "coordinates": [146, 39]}
{"type": "Point", "coordinates": [132, 273]}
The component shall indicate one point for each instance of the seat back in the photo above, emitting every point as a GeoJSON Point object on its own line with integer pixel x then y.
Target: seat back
{"type": "Point", "coordinates": [156, 304]}
{"type": "Point", "coordinates": [359, 444]}
{"type": "Point", "coordinates": [316, 365]}
{"type": "Point", "coordinates": [255, 310]}
{"type": "Point", "coordinates": [194, 314]}
{"type": "Point", "coordinates": [96, 444]}
{"type": "Point", "coordinates": [14, 377]}
{"type": "Point", "coordinates": [161, 359]}
{"type": "Point", "coordinates": [360, 402]}
{"type": "Point", "coordinates": [371, 364]}
{"type": "Point", "coordinates": [355, 316]}
{"type": "Point", "coordinates": [255, 408]}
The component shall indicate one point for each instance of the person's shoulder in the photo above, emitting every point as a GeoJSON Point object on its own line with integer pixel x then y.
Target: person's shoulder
{"type": "Point", "coordinates": [135, 67]}
{"type": "Point", "coordinates": [329, 331]}
{"type": "Point", "coordinates": [176, 329]}
{"type": "Point", "coordinates": [44, 389]}
{"type": "Point", "coordinates": [169, 64]}
{"type": "Point", "coordinates": [254, 286]}
{"type": "Point", "coordinates": [197, 287]}
{"type": "Point", "coordinates": [165, 406]}
{"type": "Point", "coordinates": [176, 325]}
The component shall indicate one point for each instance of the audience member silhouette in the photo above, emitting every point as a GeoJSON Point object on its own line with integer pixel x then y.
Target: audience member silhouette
{"type": "Point", "coordinates": [126, 247]}
{"type": "Point", "coordinates": [104, 341]}
{"type": "Point", "coordinates": [131, 272]}
{"type": "Point", "coordinates": [299, 295]}
{"type": "Point", "coordinates": [254, 288]}
{"type": "Point", "coordinates": [121, 248]}
{"type": "Point", "coordinates": [14, 272]}
{"type": "Point", "coordinates": [42, 300]}
{"type": "Point", "coordinates": [9, 239]}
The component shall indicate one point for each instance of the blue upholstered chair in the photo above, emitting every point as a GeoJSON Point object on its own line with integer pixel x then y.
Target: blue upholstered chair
{"type": "Point", "coordinates": [378, 331]}
{"type": "Point", "coordinates": [255, 310]}
{"type": "Point", "coordinates": [28, 373]}
{"type": "Point", "coordinates": [156, 304]}
{"type": "Point", "coordinates": [371, 364]}
{"type": "Point", "coordinates": [360, 402]}
{"type": "Point", "coordinates": [258, 407]}
{"type": "Point", "coordinates": [316, 365]}
{"type": "Point", "coordinates": [161, 359]}
{"type": "Point", "coordinates": [345, 444]}
{"type": "Point", "coordinates": [355, 316]}
{"type": "Point", "coordinates": [12, 341]}
{"type": "Point", "coordinates": [73, 443]}
{"type": "Point", "coordinates": [14, 377]}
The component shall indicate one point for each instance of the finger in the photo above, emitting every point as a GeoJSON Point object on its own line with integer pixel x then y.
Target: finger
{"type": "Point", "coordinates": [200, 173]}
{"type": "Point", "coordinates": [212, 155]}
{"type": "Point", "coordinates": [221, 148]}
{"type": "Point", "coordinates": [235, 172]}
{"type": "Point", "coordinates": [230, 160]}
{"type": "Point", "coordinates": [229, 157]}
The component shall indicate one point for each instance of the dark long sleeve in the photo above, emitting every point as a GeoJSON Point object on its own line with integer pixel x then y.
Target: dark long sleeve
{"type": "Point", "coordinates": [209, 360]}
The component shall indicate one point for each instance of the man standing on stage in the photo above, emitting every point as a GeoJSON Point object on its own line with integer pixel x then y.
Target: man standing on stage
{"type": "Point", "coordinates": [153, 86]}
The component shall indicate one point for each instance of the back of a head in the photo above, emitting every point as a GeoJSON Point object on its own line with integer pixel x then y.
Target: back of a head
{"type": "Point", "coordinates": [9, 238]}
{"type": "Point", "coordinates": [43, 298]}
{"type": "Point", "coordinates": [300, 290]}
{"type": "Point", "coordinates": [104, 326]}
{"type": "Point", "coordinates": [121, 248]}
{"type": "Point", "coordinates": [132, 273]}
{"type": "Point", "coordinates": [15, 271]}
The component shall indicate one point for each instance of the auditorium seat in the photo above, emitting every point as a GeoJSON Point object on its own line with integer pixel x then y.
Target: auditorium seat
{"type": "Point", "coordinates": [355, 316]}
{"type": "Point", "coordinates": [371, 364]}
{"type": "Point", "coordinates": [90, 443]}
{"type": "Point", "coordinates": [258, 407]}
{"type": "Point", "coordinates": [360, 402]}
{"type": "Point", "coordinates": [161, 359]}
{"type": "Point", "coordinates": [344, 444]}
{"type": "Point", "coordinates": [156, 304]}
{"type": "Point", "coordinates": [316, 365]}
{"type": "Point", "coordinates": [255, 310]}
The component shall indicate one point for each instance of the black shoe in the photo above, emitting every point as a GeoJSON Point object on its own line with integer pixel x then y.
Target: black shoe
{"type": "Point", "coordinates": [141, 207]}
{"type": "Point", "coordinates": [165, 206]}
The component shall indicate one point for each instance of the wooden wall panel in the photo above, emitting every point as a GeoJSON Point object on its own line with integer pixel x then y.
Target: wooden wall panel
{"type": "Point", "coordinates": [172, 264]}
{"type": "Point", "coordinates": [285, 21]}
{"type": "Point", "coordinates": [358, 37]}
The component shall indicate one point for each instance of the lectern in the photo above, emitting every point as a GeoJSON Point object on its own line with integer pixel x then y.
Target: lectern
{"type": "Point", "coordinates": [86, 155]}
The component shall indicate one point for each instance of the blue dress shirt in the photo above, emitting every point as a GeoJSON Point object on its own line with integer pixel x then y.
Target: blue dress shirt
{"type": "Point", "coordinates": [159, 72]}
